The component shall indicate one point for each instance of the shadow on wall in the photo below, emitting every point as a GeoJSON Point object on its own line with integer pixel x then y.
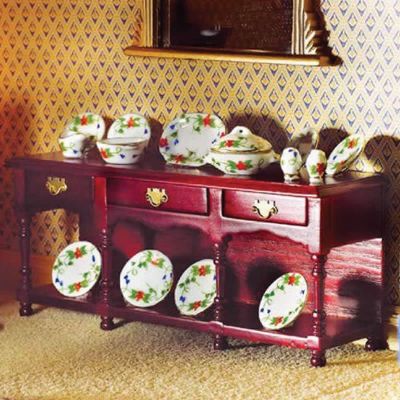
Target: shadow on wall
{"type": "Point", "coordinates": [330, 138]}
{"type": "Point", "coordinates": [383, 155]}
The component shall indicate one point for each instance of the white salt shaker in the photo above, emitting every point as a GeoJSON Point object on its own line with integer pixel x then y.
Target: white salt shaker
{"type": "Point", "coordinates": [316, 166]}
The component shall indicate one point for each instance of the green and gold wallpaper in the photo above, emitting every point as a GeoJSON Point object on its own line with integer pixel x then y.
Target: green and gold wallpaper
{"type": "Point", "coordinates": [59, 58]}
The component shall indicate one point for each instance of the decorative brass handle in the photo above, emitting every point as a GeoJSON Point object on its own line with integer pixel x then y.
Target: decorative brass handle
{"type": "Point", "coordinates": [265, 209]}
{"type": "Point", "coordinates": [55, 185]}
{"type": "Point", "coordinates": [156, 196]}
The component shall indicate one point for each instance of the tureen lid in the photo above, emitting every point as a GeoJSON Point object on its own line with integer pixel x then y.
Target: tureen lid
{"type": "Point", "coordinates": [241, 139]}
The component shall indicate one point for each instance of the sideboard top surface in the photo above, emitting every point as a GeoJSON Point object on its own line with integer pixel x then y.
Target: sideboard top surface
{"type": "Point", "coordinates": [155, 168]}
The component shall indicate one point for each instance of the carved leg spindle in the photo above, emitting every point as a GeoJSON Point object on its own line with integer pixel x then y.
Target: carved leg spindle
{"type": "Point", "coordinates": [318, 356]}
{"type": "Point", "coordinates": [25, 270]}
{"type": "Point", "coordinates": [106, 283]}
{"type": "Point", "coordinates": [220, 342]}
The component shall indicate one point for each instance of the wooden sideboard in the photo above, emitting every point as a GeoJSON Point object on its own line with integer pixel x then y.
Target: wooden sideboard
{"type": "Point", "coordinates": [311, 224]}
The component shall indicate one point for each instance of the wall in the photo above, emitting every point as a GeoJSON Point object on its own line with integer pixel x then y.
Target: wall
{"type": "Point", "coordinates": [58, 58]}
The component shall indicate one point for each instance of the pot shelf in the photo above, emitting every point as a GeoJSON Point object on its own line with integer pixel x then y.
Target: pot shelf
{"type": "Point", "coordinates": [254, 56]}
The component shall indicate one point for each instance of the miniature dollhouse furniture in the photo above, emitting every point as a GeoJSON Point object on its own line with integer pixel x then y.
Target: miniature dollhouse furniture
{"type": "Point", "coordinates": [307, 223]}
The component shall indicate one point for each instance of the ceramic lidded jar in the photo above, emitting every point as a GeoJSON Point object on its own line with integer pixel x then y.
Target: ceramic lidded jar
{"type": "Point", "coordinates": [316, 166]}
{"type": "Point", "coordinates": [291, 163]}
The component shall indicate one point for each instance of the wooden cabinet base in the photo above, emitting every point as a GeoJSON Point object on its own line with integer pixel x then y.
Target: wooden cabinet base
{"type": "Point", "coordinates": [308, 226]}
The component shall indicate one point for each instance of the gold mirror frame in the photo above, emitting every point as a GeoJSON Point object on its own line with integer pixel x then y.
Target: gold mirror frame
{"type": "Point", "coordinates": [309, 39]}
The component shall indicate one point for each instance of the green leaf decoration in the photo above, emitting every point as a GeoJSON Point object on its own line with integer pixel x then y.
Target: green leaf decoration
{"type": "Point", "coordinates": [63, 147]}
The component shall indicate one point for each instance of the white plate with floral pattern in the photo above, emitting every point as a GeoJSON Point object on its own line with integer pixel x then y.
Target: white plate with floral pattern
{"type": "Point", "coordinates": [91, 125]}
{"type": "Point", "coordinates": [76, 269]}
{"type": "Point", "coordinates": [188, 139]}
{"type": "Point", "coordinates": [146, 278]}
{"type": "Point", "coordinates": [344, 154]}
{"type": "Point", "coordinates": [196, 288]}
{"type": "Point", "coordinates": [283, 301]}
{"type": "Point", "coordinates": [132, 125]}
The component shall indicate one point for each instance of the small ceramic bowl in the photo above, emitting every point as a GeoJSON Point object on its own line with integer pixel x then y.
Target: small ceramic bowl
{"type": "Point", "coordinates": [122, 150]}
{"type": "Point", "coordinates": [72, 144]}
{"type": "Point", "coordinates": [241, 163]}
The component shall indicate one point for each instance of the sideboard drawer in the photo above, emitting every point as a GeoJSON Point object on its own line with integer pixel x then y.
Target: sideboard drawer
{"type": "Point", "coordinates": [157, 195]}
{"type": "Point", "coordinates": [265, 207]}
{"type": "Point", "coordinates": [48, 190]}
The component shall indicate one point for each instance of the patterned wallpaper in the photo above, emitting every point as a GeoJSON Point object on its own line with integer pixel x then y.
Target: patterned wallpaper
{"type": "Point", "coordinates": [58, 58]}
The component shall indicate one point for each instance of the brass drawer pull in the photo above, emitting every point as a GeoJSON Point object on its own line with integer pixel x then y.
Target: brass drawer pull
{"type": "Point", "coordinates": [156, 197]}
{"type": "Point", "coordinates": [55, 185]}
{"type": "Point", "coordinates": [265, 209]}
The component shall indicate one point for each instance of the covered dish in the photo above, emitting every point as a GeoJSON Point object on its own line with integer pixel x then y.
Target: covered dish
{"type": "Point", "coordinates": [241, 153]}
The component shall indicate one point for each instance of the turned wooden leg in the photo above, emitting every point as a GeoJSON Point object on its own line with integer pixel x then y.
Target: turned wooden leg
{"type": "Point", "coordinates": [374, 344]}
{"type": "Point", "coordinates": [106, 283]}
{"type": "Point", "coordinates": [318, 358]}
{"type": "Point", "coordinates": [318, 273]}
{"type": "Point", "coordinates": [378, 339]}
{"type": "Point", "coordinates": [107, 323]}
{"type": "Point", "coordinates": [220, 341]}
{"type": "Point", "coordinates": [25, 270]}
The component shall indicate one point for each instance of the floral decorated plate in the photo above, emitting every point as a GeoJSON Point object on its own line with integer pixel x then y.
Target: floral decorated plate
{"type": "Point", "coordinates": [76, 269]}
{"type": "Point", "coordinates": [146, 278]}
{"type": "Point", "coordinates": [344, 154]}
{"type": "Point", "coordinates": [283, 301]}
{"type": "Point", "coordinates": [89, 124]}
{"type": "Point", "coordinates": [196, 288]}
{"type": "Point", "coordinates": [130, 125]}
{"type": "Point", "coordinates": [188, 139]}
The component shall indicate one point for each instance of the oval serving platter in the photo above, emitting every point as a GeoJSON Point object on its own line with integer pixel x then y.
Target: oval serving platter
{"type": "Point", "coordinates": [133, 125]}
{"type": "Point", "coordinates": [196, 288]}
{"type": "Point", "coordinates": [91, 125]}
{"type": "Point", "coordinates": [188, 139]}
{"type": "Point", "coordinates": [344, 154]}
{"type": "Point", "coordinates": [76, 269]}
{"type": "Point", "coordinates": [283, 301]}
{"type": "Point", "coordinates": [146, 278]}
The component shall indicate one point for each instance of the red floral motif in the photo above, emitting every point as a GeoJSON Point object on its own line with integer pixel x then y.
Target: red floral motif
{"type": "Point", "coordinates": [207, 120]}
{"type": "Point", "coordinates": [77, 286]}
{"type": "Point", "coordinates": [131, 122]}
{"type": "Point", "coordinates": [163, 142]}
{"type": "Point", "coordinates": [241, 166]}
{"type": "Point", "coordinates": [202, 270]}
{"type": "Point", "coordinates": [139, 295]}
{"type": "Point", "coordinates": [277, 320]}
{"type": "Point", "coordinates": [196, 305]}
{"type": "Point", "coordinates": [84, 120]}
{"type": "Point", "coordinates": [103, 153]}
{"type": "Point", "coordinates": [229, 143]}
{"type": "Point", "coordinates": [352, 143]}
{"type": "Point", "coordinates": [320, 168]}
{"type": "Point", "coordinates": [179, 158]}
{"type": "Point", "coordinates": [78, 253]}
{"type": "Point", "coordinates": [292, 280]}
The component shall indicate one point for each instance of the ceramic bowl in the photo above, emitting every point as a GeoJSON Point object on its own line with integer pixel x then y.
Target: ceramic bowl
{"type": "Point", "coordinates": [241, 163]}
{"type": "Point", "coordinates": [72, 144]}
{"type": "Point", "coordinates": [122, 150]}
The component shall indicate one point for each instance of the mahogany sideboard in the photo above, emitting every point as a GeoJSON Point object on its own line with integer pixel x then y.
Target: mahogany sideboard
{"type": "Point", "coordinates": [310, 223]}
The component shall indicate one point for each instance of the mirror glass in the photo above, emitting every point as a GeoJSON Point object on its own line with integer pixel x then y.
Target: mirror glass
{"type": "Point", "coordinates": [237, 25]}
